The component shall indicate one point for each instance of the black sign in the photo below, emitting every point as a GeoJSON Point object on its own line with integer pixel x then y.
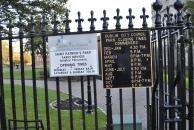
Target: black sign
{"type": "Point", "coordinates": [126, 59]}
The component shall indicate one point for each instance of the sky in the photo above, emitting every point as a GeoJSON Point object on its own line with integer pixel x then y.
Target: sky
{"type": "Point", "coordinates": [85, 6]}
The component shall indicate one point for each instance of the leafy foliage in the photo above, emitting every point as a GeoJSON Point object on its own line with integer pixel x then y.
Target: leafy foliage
{"type": "Point", "coordinates": [25, 8]}
{"type": "Point", "coordinates": [189, 6]}
{"type": "Point", "coordinates": [5, 52]}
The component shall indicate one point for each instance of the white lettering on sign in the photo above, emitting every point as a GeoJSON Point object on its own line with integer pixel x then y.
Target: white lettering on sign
{"type": "Point", "coordinates": [73, 55]}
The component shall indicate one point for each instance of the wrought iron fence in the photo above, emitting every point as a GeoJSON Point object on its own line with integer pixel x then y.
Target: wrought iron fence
{"type": "Point", "coordinates": [169, 106]}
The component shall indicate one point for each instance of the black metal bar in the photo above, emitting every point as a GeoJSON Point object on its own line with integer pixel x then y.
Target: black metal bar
{"type": "Point", "coordinates": [134, 108]}
{"type": "Point", "coordinates": [171, 74]}
{"type": "Point", "coordinates": [28, 121]}
{"type": "Point", "coordinates": [109, 125]}
{"type": "Point", "coordinates": [121, 109]}
{"type": "Point", "coordinates": [83, 104]}
{"type": "Point", "coordinates": [21, 33]}
{"type": "Point", "coordinates": [9, 122]}
{"type": "Point", "coordinates": [165, 53]}
{"type": "Point", "coordinates": [154, 107]}
{"type": "Point", "coordinates": [177, 78]}
{"type": "Point", "coordinates": [156, 83]}
{"type": "Point", "coordinates": [2, 101]}
{"type": "Point", "coordinates": [89, 110]}
{"type": "Point", "coordinates": [190, 74]}
{"type": "Point", "coordinates": [43, 31]}
{"type": "Point", "coordinates": [32, 42]}
{"type": "Point", "coordinates": [160, 79]}
{"type": "Point", "coordinates": [95, 103]}
{"type": "Point", "coordinates": [130, 26]}
{"type": "Point", "coordinates": [148, 104]}
{"type": "Point", "coordinates": [70, 103]}
{"type": "Point", "coordinates": [46, 83]}
{"type": "Point", "coordinates": [183, 84]}
{"type": "Point", "coordinates": [86, 32]}
{"type": "Point", "coordinates": [55, 23]}
{"type": "Point", "coordinates": [10, 26]}
{"type": "Point", "coordinates": [181, 69]}
{"type": "Point", "coordinates": [58, 104]}
{"type": "Point", "coordinates": [157, 6]}
{"type": "Point", "coordinates": [3, 124]}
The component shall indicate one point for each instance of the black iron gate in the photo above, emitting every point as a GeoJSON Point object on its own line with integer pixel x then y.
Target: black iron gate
{"type": "Point", "coordinates": [172, 95]}
{"type": "Point", "coordinates": [168, 107]}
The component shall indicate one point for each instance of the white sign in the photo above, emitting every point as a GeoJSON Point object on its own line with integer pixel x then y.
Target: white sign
{"type": "Point", "coordinates": [73, 55]}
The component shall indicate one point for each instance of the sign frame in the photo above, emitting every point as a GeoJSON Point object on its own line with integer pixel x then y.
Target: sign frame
{"type": "Point", "coordinates": [78, 43]}
{"type": "Point", "coordinates": [150, 52]}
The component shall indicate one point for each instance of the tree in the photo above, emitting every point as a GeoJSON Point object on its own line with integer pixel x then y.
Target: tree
{"type": "Point", "coordinates": [27, 58]}
{"type": "Point", "coordinates": [189, 6]}
{"type": "Point", "coordinates": [25, 8]}
{"type": "Point", "coordinates": [5, 52]}
{"type": "Point", "coordinates": [16, 58]}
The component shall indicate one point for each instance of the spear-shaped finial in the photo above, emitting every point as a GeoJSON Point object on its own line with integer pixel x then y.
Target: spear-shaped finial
{"type": "Point", "coordinates": [79, 21]}
{"type": "Point", "coordinates": [43, 24]}
{"type": "Point", "coordinates": [67, 21]}
{"type": "Point", "coordinates": [10, 26]}
{"type": "Point", "coordinates": [118, 18]}
{"type": "Point", "coordinates": [104, 19]}
{"type": "Point", "coordinates": [92, 20]}
{"type": "Point", "coordinates": [168, 16]}
{"type": "Point", "coordinates": [130, 17]}
{"type": "Point", "coordinates": [32, 25]}
{"type": "Point", "coordinates": [21, 27]}
{"type": "Point", "coordinates": [55, 23]}
{"type": "Point", "coordinates": [144, 17]}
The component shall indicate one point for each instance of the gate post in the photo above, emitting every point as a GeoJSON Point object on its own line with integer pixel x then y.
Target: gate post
{"type": "Point", "coordinates": [190, 67]}
{"type": "Point", "coordinates": [157, 6]}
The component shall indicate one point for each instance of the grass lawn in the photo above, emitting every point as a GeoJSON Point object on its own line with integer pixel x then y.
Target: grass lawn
{"type": "Point", "coordinates": [90, 123]}
{"type": "Point", "coordinates": [186, 80]}
{"type": "Point", "coordinates": [28, 73]}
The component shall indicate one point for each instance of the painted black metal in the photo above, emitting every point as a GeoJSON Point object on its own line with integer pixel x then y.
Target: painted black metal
{"type": "Point", "coordinates": [43, 31]}
{"type": "Point", "coordinates": [92, 20]}
{"type": "Point", "coordinates": [21, 32]}
{"type": "Point", "coordinates": [2, 101]}
{"type": "Point", "coordinates": [83, 104]}
{"type": "Point", "coordinates": [70, 103]}
{"type": "Point", "coordinates": [109, 123]}
{"type": "Point", "coordinates": [11, 67]}
{"type": "Point", "coordinates": [169, 107]}
{"type": "Point", "coordinates": [190, 60]}
{"type": "Point", "coordinates": [95, 103]}
{"type": "Point", "coordinates": [32, 32]}
{"type": "Point", "coordinates": [89, 110]}
{"type": "Point", "coordinates": [118, 18]}
{"type": "Point", "coordinates": [39, 122]}
{"type": "Point", "coordinates": [121, 108]}
{"type": "Point", "coordinates": [134, 108]}
{"type": "Point", "coordinates": [58, 104]}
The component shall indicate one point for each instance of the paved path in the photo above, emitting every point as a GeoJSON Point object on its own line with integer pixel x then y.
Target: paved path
{"type": "Point", "coordinates": [101, 92]}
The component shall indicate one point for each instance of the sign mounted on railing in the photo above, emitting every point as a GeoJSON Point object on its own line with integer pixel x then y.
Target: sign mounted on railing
{"type": "Point", "coordinates": [73, 55]}
{"type": "Point", "coordinates": [126, 59]}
